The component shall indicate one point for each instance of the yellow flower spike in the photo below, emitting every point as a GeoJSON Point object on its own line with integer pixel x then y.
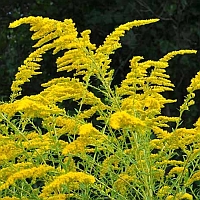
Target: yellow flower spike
{"type": "Point", "coordinates": [64, 124]}
{"type": "Point", "coordinates": [139, 80]}
{"type": "Point", "coordinates": [26, 71]}
{"type": "Point", "coordinates": [181, 138]}
{"type": "Point", "coordinates": [23, 20]}
{"type": "Point", "coordinates": [112, 41]}
{"type": "Point", "coordinates": [61, 89]}
{"type": "Point", "coordinates": [159, 132]}
{"type": "Point", "coordinates": [161, 121]}
{"type": "Point", "coordinates": [111, 44]}
{"type": "Point", "coordinates": [170, 162]}
{"type": "Point", "coordinates": [9, 151]}
{"type": "Point", "coordinates": [8, 171]}
{"type": "Point", "coordinates": [43, 28]}
{"type": "Point", "coordinates": [181, 196]}
{"type": "Point", "coordinates": [172, 54]}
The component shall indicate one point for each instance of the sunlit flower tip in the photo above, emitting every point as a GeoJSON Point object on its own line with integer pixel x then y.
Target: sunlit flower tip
{"type": "Point", "coordinates": [16, 23]}
{"type": "Point", "coordinates": [23, 20]}
{"type": "Point", "coordinates": [170, 55]}
{"type": "Point", "coordinates": [135, 60]}
{"type": "Point", "coordinates": [141, 22]}
{"type": "Point", "coordinates": [85, 33]}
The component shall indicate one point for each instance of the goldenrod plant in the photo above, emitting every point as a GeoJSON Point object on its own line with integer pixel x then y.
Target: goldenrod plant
{"type": "Point", "coordinates": [115, 145]}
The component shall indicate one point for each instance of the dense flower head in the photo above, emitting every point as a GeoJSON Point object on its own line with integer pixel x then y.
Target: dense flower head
{"type": "Point", "coordinates": [73, 179]}
{"type": "Point", "coordinates": [122, 119]}
{"type": "Point", "coordinates": [26, 173]}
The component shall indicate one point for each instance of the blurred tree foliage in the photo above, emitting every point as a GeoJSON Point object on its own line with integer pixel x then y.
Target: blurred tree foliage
{"type": "Point", "coordinates": [179, 28]}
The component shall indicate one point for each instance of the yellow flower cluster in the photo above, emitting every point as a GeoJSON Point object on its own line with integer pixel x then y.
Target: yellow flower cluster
{"type": "Point", "coordinates": [33, 172]}
{"type": "Point", "coordinates": [123, 119]}
{"type": "Point", "coordinates": [31, 107]}
{"type": "Point", "coordinates": [114, 134]}
{"type": "Point", "coordinates": [88, 136]}
{"type": "Point", "coordinates": [45, 29]}
{"type": "Point", "coordinates": [71, 179]}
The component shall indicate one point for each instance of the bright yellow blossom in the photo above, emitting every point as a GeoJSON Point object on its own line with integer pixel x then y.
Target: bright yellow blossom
{"type": "Point", "coordinates": [135, 157]}
{"type": "Point", "coordinates": [88, 136]}
{"type": "Point", "coordinates": [170, 55]}
{"type": "Point", "coordinates": [123, 119]}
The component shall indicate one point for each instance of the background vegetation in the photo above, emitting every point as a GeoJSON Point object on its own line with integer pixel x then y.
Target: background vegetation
{"type": "Point", "coordinates": [179, 28]}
